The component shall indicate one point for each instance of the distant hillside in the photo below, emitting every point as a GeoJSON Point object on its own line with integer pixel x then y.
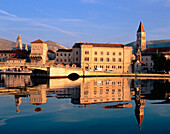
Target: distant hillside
{"type": "Point", "coordinates": [10, 45]}
{"type": "Point", "coordinates": [153, 43]}
{"type": "Point", "coordinates": [6, 44]}
{"type": "Point", "coordinates": [54, 46]}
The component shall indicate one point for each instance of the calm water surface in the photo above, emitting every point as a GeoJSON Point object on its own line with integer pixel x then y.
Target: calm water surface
{"type": "Point", "coordinates": [90, 105]}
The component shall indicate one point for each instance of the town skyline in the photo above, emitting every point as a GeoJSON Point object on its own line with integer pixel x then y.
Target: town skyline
{"type": "Point", "coordinates": [84, 20]}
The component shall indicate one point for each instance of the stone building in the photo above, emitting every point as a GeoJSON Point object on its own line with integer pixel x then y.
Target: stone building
{"type": "Point", "coordinates": [38, 52]}
{"type": "Point", "coordinates": [76, 54]}
{"type": "Point", "coordinates": [102, 55]}
{"type": "Point", "coordinates": [64, 56]}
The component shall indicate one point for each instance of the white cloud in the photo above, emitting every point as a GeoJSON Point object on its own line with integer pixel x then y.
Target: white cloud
{"type": "Point", "coordinates": [6, 13]}
{"type": "Point", "coordinates": [165, 3]}
{"type": "Point", "coordinates": [72, 20]}
{"type": "Point", "coordinates": [165, 29]}
{"type": "Point", "coordinates": [89, 1]}
{"type": "Point", "coordinates": [32, 21]}
{"type": "Point", "coordinates": [58, 29]}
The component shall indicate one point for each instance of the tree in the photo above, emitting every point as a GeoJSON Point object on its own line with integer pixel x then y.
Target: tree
{"type": "Point", "coordinates": [159, 61]}
{"type": "Point", "coordinates": [167, 65]}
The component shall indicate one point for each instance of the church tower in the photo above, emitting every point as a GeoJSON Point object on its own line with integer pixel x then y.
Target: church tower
{"type": "Point", "coordinates": [26, 47]}
{"type": "Point", "coordinates": [141, 40]}
{"type": "Point", "coordinates": [19, 43]}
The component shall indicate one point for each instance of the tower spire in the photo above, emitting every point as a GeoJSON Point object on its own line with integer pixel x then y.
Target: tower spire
{"type": "Point", "coordinates": [19, 42]}
{"type": "Point", "coordinates": [26, 47]}
{"type": "Point", "coordinates": [141, 27]}
{"type": "Point", "coordinates": [19, 37]}
{"type": "Point", "coordinates": [141, 41]}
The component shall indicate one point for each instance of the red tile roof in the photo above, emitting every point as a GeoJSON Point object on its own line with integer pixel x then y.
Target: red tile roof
{"type": "Point", "coordinates": [77, 45]}
{"type": "Point", "coordinates": [166, 53]}
{"type": "Point", "coordinates": [143, 64]}
{"type": "Point", "coordinates": [7, 51]}
{"type": "Point", "coordinates": [50, 51]}
{"type": "Point", "coordinates": [64, 50]}
{"type": "Point", "coordinates": [141, 28]}
{"type": "Point", "coordinates": [19, 37]}
{"type": "Point", "coordinates": [158, 49]}
{"type": "Point", "coordinates": [38, 41]}
{"type": "Point", "coordinates": [104, 45]}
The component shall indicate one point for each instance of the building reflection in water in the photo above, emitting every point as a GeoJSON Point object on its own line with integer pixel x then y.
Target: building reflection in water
{"type": "Point", "coordinates": [38, 97]}
{"type": "Point", "coordinates": [17, 102]}
{"type": "Point", "coordinates": [87, 91]}
{"type": "Point", "coordinates": [139, 108]}
{"type": "Point", "coordinates": [104, 91]}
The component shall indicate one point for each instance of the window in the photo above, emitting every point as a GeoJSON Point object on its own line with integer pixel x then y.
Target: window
{"type": "Point", "coordinates": [119, 59]}
{"type": "Point", "coordinates": [151, 64]}
{"type": "Point", "coordinates": [61, 60]}
{"type": "Point", "coordinates": [101, 53]}
{"type": "Point", "coordinates": [113, 59]}
{"type": "Point", "coordinates": [107, 53]}
{"type": "Point", "coordinates": [146, 59]}
{"type": "Point", "coordinates": [86, 52]}
{"type": "Point", "coordinates": [39, 47]}
{"type": "Point", "coordinates": [107, 59]}
{"type": "Point", "coordinates": [34, 47]}
{"type": "Point", "coordinates": [95, 52]}
{"type": "Point", "coordinates": [68, 54]}
{"type": "Point", "coordinates": [95, 66]}
{"type": "Point", "coordinates": [113, 66]}
{"type": "Point", "coordinates": [101, 66]}
{"type": "Point", "coordinates": [65, 54]}
{"type": "Point", "coordinates": [119, 67]}
{"type": "Point", "coordinates": [57, 60]}
{"type": "Point", "coordinates": [57, 54]}
{"type": "Point", "coordinates": [120, 53]}
{"type": "Point", "coordinates": [77, 59]}
{"type": "Point", "coordinates": [95, 59]}
{"type": "Point", "coordinates": [77, 52]}
{"type": "Point", "coordinates": [61, 54]}
{"type": "Point", "coordinates": [114, 53]}
{"type": "Point", "coordinates": [101, 59]}
{"type": "Point", "coordinates": [65, 60]}
{"type": "Point", "coordinates": [69, 60]}
{"type": "Point", "coordinates": [142, 59]}
{"type": "Point", "coordinates": [107, 66]}
{"type": "Point", "coordinates": [86, 58]}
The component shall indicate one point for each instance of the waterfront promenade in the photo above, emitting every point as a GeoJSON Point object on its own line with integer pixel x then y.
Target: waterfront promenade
{"type": "Point", "coordinates": [61, 72]}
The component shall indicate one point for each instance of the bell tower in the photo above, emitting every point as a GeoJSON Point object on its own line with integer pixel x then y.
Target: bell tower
{"type": "Point", "coordinates": [141, 39]}
{"type": "Point", "coordinates": [19, 43]}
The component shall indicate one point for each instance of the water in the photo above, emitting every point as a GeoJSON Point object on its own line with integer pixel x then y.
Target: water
{"type": "Point", "coordinates": [90, 105]}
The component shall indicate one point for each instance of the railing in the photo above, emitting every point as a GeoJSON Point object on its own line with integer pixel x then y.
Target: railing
{"type": "Point", "coordinates": [8, 64]}
{"type": "Point", "coordinates": [2, 64]}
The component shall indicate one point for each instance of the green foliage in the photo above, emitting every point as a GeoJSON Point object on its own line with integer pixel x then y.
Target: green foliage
{"type": "Point", "coordinates": [159, 61]}
{"type": "Point", "coordinates": [167, 65]}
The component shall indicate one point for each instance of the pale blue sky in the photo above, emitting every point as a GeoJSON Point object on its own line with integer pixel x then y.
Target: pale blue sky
{"type": "Point", "coordinates": [70, 21]}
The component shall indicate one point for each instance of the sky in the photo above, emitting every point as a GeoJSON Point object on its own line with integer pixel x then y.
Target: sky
{"type": "Point", "coordinates": [69, 21]}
